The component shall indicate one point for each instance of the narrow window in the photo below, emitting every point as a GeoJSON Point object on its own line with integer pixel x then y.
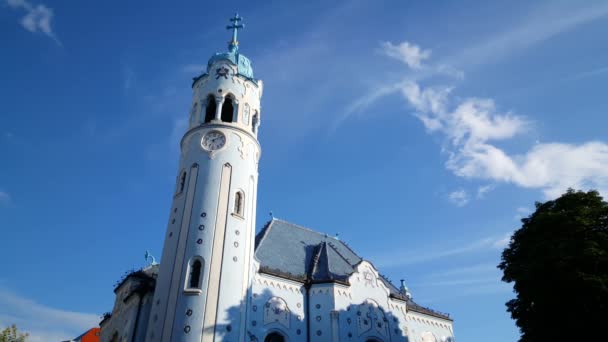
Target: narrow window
{"type": "Point", "coordinates": [238, 203]}
{"type": "Point", "coordinates": [195, 274]}
{"type": "Point", "coordinates": [114, 337]}
{"type": "Point", "coordinates": [274, 337]}
{"type": "Point", "coordinates": [181, 183]}
{"type": "Point", "coordinates": [211, 108]}
{"type": "Point", "coordinates": [227, 110]}
{"type": "Point", "coordinates": [254, 122]}
{"type": "Point", "coordinates": [195, 271]}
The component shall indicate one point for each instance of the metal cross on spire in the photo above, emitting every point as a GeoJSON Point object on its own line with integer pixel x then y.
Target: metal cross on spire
{"type": "Point", "coordinates": [235, 26]}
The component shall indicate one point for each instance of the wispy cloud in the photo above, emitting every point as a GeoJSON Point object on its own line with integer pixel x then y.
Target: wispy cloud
{"type": "Point", "coordinates": [129, 78]}
{"type": "Point", "coordinates": [410, 54]}
{"type": "Point", "coordinates": [590, 73]}
{"type": "Point", "coordinates": [459, 197]}
{"type": "Point", "coordinates": [5, 198]}
{"type": "Point", "coordinates": [37, 18]}
{"type": "Point", "coordinates": [502, 242]}
{"type": "Point", "coordinates": [483, 190]}
{"type": "Point", "coordinates": [541, 24]}
{"type": "Point", "coordinates": [421, 256]}
{"type": "Point", "coordinates": [464, 271]}
{"type": "Point", "coordinates": [522, 212]}
{"type": "Point", "coordinates": [465, 280]}
{"type": "Point", "coordinates": [43, 323]}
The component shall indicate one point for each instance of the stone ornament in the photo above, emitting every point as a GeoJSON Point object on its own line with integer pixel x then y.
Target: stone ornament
{"type": "Point", "coordinates": [276, 311]}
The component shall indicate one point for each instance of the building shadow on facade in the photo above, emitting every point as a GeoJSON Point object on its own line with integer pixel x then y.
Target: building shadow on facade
{"type": "Point", "coordinates": [270, 319]}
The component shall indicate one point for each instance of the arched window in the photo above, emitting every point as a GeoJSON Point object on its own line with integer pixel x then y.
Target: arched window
{"type": "Point", "coordinates": [228, 109]}
{"type": "Point", "coordinates": [181, 183]}
{"type": "Point", "coordinates": [195, 274]}
{"type": "Point", "coordinates": [211, 109]}
{"type": "Point", "coordinates": [274, 337]}
{"type": "Point", "coordinates": [239, 203]}
{"type": "Point", "coordinates": [254, 122]}
{"type": "Point", "coordinates": [114, 337]}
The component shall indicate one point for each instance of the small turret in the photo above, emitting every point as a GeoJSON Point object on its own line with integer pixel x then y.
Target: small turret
{"type": "Point", "coordinates": [404, 290]}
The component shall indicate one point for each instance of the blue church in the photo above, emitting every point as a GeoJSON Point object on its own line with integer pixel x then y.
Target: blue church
{"type": "Point", "coordinates": [220, 281]}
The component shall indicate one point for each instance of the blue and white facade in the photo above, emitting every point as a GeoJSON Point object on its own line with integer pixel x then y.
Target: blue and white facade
{"type": "Point", "coordinates": [219, 281]}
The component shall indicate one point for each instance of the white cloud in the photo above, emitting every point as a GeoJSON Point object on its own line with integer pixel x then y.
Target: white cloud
{"type": "Point", "coordinates": [426, 99]}
{"type": "Point", "coordinates": [429, 102]}
{"type": "Point", "coordinates": [5, 198]}
{"type": "Point", "coordinates": [43, 323]}
{"type": "Point", "coordinates": [477, 120]}
{"type": "Point", "coordinates": [551, 167]}
{"type": "Point", "coordinates": [471, 127]}
{"type": "Point", "coordinates": [410, 54]}
{"type": "Point", "coordinates": [37, 18]}
{"type": "Point", "coordinates": [483, 190]}
{"type": "Point", "coordinates": [459, 197]}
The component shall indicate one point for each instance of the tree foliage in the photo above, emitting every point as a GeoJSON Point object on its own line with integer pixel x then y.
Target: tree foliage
{"type": "Point", "coordinates": [558, 264]}
{"type": "Point", "coordinates": [11, 334]}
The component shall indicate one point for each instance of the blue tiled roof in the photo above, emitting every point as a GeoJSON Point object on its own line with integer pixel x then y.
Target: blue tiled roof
{"type": "Point", "coordinates": [294, 252]}
{"type": "Point", "coordinates": [242, 63]}
{"type": "Point", "coordinates": [303, 254]}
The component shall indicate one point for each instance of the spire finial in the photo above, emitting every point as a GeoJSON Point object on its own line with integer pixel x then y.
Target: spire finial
{"type": "Point", "coordinates": [235, 26]}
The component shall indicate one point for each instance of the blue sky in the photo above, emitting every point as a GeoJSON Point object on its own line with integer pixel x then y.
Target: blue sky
{"type": "Point", "coordinates": [420, 132]}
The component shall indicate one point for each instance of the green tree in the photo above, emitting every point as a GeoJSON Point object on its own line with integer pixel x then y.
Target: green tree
{"type": "Point", "coordinates": [11, 334]}
{"type": "Point", "coordinates": [558, 264]}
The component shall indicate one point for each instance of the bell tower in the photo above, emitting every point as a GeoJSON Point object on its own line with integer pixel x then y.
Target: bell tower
{"type": "Point", "coordinates": [205, 269]}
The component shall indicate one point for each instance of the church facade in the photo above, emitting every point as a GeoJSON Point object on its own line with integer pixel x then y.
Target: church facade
{"type": "Point", "coordinates": [219, 281]}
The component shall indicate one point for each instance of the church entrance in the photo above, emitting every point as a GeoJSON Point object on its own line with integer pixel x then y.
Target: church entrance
{"type": "Point", "coordinates": [274, 337]}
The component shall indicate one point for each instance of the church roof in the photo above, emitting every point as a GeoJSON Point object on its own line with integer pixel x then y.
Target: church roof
{"type": "Point", "coordinates": [303, 254]}
{"type": "Point", "coordinates": [290, 251]}
{"type": "Point", "coordinates": [242, 63]}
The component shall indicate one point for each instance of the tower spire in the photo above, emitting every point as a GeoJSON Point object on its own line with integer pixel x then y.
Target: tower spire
{"type": "Point", "coordinates": [235, 26]}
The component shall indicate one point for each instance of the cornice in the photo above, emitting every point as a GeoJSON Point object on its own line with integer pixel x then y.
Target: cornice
{"type": "Point", "coordinates": [212, 125]}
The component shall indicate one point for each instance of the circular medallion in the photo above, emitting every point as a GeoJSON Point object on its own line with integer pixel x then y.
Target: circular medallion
{"type": "Point", "coordinates": [213, 141]}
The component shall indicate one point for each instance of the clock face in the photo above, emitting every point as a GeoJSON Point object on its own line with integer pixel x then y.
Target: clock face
{"type": "Point", "coordinates": [213, 140]}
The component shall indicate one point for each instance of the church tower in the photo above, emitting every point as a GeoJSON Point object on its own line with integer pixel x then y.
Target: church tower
{"type": "Point", "coordinates": [206, 263]}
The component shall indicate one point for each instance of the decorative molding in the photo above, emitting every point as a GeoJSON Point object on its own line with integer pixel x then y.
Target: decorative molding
{"type": "Point", "coordinates": [244, 148]}
{"type": "Point", "coordinates": [277, 311]}
{"type": "Point", "coordinates": [221, 125]}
